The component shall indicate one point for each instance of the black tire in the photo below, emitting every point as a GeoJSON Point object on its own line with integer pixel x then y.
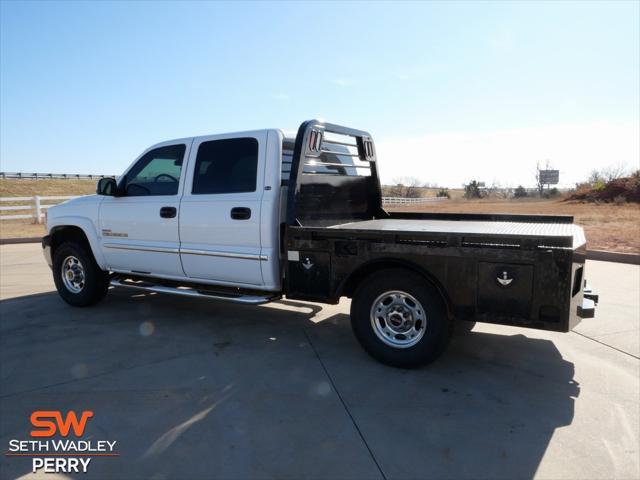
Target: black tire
{"type": "Point", "coordinates": [95, 282]}
{"type": "Point", "coordinates": [432, 342]}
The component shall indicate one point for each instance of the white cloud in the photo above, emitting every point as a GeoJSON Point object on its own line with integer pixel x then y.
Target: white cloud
{"type": "Point", "coordinates": [509, 156]}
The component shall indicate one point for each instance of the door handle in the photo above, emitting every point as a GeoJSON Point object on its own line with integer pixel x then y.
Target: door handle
{"type": "Point", "coordinates": [168, 212]}
{"type": "Point", "coordinates": [241, 213]}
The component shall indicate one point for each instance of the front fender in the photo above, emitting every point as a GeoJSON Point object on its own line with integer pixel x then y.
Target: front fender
{"type": "Point", "coordinates": [88, 228]}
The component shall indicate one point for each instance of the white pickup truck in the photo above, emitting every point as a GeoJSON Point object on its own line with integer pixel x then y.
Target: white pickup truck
{"type": "Point", "coordinates": [253, 216]}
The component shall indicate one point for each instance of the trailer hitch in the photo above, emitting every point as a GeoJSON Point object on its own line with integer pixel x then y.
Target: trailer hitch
{"type": "Point", "coordinates": [587, 292]}
{"type": "Point", "coordinates": [589, 302]}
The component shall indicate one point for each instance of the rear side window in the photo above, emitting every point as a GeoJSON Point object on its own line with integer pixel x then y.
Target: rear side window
{"type": "Point", "coordinates": [226, 166]}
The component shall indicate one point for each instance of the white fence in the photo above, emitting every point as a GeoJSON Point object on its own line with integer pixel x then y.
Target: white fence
{"type": "Point", "coordinates": [44, 176]}
{"type": "Point", "coordinates": [34, 204]}
{"type": "Point", "coordinates": [410, 201]}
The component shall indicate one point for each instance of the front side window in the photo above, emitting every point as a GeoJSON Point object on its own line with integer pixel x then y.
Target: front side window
{"type": "Point", "coordinates": [156, 173]}
{"type": "Point", "coordinates": [226, 166]}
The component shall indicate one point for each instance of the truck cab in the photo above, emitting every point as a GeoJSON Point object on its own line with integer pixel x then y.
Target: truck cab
{"type": "Point", "coordinates": [253, 216]}
{"type": "Point", "coordinates": [203, 209]}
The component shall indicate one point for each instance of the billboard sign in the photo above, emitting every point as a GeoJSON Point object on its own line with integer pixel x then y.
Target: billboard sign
{"type": "Point", "coordinates": [550, 177]}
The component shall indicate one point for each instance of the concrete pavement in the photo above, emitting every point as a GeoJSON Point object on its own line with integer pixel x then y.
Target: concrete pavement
{"type": "Point", "coordinates": [203, 389]}
{"type": "Point", "coordinates": [618, 314]}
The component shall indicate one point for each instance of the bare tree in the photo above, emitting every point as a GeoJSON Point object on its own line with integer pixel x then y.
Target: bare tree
{"type": "Point", "coordinates": [397, 189]}
{"type": "Point", "coordinates": [614, 172]}
{"type": "Point", "coordinates": [496, 190]}
{"type": "Point", "coordinates": [608, 174]}
{"type": "Point", "coordinates": [407, 187]}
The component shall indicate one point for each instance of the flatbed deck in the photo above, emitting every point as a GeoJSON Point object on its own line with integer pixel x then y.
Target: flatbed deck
{"type": "Point", "coordinates": [513, 229]}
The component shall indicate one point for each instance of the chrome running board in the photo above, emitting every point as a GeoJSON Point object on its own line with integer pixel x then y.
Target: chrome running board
{"type": "Point", "coordinates": [192, 292]}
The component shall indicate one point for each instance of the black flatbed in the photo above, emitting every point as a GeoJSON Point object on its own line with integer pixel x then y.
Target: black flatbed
{"type": "Point", "coordinates": [524, 270]}
{"type": "Point", "coordinates": [568, 234]}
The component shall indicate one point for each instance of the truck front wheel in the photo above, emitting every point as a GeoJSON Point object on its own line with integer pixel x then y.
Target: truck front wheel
{"type": "Point", "coordinates": [399, 318]}
{"type": "Point", "coordinates": [77, 276]}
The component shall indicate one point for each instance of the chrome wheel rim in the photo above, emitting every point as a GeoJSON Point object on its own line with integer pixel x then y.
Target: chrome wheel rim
{"type": "Point", "coordinates": [73, 274]}
{"type": "Point", "coordinates": [398, 319]}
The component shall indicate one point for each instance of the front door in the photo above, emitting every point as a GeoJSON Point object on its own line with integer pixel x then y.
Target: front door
{"type": "Point", "coordinates": [220, 209]}
{"type": "Point", "coordinates": [139, 230]}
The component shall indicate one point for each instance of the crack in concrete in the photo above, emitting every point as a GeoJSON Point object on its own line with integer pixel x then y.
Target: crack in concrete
{"type": "Point", "coordinates": [607, 345]}
{"type": "Point", "coordinates": [344, 405]}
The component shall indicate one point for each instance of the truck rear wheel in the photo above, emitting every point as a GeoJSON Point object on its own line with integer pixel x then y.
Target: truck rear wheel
{"type": "Point", "coordinates": [399, 318]}
{"type": "Point", "coordinates": [77, 276]}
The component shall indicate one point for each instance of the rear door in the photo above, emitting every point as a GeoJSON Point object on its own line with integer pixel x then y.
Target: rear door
{"type": "Point", "coordinates": [220, 209]}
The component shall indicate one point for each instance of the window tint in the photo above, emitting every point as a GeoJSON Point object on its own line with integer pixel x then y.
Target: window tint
{"type": "Point", "coordinates": [226, 166]}
{"type": "Point", "coordinates": [156, 173]}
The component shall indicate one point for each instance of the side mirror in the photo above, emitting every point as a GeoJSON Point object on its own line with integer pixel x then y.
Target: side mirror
{"type": "Point", "coordinates": [107, 186]}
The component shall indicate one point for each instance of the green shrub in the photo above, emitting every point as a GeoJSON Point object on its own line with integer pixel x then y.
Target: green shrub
{"type": "Point", "coordinates": [472, 190]}
{"type": "Point", "coordinates": [520, 192]}
{"type": "Point", "coordinates": [443, 192]}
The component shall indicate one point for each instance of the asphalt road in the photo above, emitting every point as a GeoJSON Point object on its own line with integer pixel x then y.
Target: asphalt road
{"type": "Point", "coordinates": [203, 389]}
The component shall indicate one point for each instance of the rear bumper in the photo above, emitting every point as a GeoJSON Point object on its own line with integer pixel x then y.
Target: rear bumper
{"type": "Point", "coordinates": [587, 309]}
{"type": "Point", "coordinates": [46, 250]}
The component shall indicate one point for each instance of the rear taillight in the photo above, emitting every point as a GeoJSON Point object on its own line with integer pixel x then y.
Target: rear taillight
{"type": "Point", "coordinates": [367, 145]}
{"type": "Point", "coordinates": [315, 140]}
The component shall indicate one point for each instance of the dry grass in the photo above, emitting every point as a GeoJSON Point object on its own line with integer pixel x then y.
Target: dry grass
{"type": "Point", "coordinates": [20, 229]}
{"type": "Point", "coordinates": [607, 226]}
{"type": "Point", "coordinates": [28, 188]}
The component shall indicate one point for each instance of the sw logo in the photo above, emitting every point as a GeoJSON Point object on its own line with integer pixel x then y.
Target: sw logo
{"type": "Point", "coordinates": [42, 419]}
{"type": "Point", "coordinates": [61, 454]}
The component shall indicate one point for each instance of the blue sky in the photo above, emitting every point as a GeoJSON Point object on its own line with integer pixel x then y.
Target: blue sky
{"type": "Point", "coordinates": [449, 90]}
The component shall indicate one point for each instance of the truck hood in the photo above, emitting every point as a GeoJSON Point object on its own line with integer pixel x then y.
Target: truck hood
{"type": "Point", "coordinates": [77, 201]}
{"type": "Point", "coordinates": [86, 206]}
